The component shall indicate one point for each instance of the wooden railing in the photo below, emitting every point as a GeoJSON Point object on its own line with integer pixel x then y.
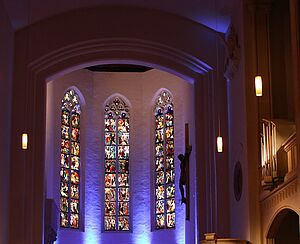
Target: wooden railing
{"type": "Point", "coordinates": [290, 148]}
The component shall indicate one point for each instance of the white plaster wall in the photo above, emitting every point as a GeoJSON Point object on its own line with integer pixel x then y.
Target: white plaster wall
{"type": "Point", "coordinates": [6, 72]}
{"type": "Point", "coordinates": [139, 89]}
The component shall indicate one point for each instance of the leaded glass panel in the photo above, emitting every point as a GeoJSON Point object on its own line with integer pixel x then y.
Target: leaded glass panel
{"type": "Point", "coordinates": [116, 149]}
{"type": "Point", "coordinates": [164, 162]}
{"type": "Point", "coordinates": [70, 161]}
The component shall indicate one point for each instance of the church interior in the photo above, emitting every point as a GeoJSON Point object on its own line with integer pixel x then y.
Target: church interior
{"type": "Point", "coordinates": [146, 122]}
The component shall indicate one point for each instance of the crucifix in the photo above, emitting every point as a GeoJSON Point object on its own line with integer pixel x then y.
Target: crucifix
{"type": "Point", "coordinates": [184, 174]}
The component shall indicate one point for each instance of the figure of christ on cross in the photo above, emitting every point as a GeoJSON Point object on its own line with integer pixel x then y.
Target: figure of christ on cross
{"type": "Point", "coordinates": [183, 171]}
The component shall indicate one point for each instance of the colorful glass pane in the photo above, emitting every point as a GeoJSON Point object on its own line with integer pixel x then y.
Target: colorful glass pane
{"type": "Point", "coordinates": [123, 166]}
{"type": "Point", "coordinates": [64, 160]}
{"type": "Point", "coordinates": [123, 125]}
{"type": "Point", "coordinates": [64, 189]}
{"type": "Point", "coordinates": [123, 139]}
{"type": "Point", "coordinates": [65, 117]}
{"type": "Point", "coordinates": [159, 136]}
{"type": "Point", "coordinates": [110, 180]}
{"type": "Point", "coordinates": [123, 152]}
{"type": "Point", "coordinates": [64, 204]}
{"type": "Point", "coordinates": [160, 207]}
{"type": "Point", "coordinates": [110, 166]}
{"type": "Point", "coordinates": [75, 148]}
{"type": "Point", "coordinates": [110, 208]}
{"type": "Point", "coordinates": [170, 191]}
{"type": "Point", "coordinates": [74, 177]}
{"type": "Point", "coordinates": [170, 176]}
{"type": "Point", "coordinates": [164, 162]}
{"type": "Point", "coordinates": [70, 161]}
{"type": "Point", "coordinates": [65, 146]}
{"type": "Point", "coordinates": [160, 178]}
{"type": "Point", "coordinates": [160, 221]}
{"type": "Point", "coordinates": [123, 208]}
{"type": "Point", "coordinates": [110, 223]}
{"type": "Point", "coordinates": [75, 120]}
{"type": "Point", "coordinates": [159, 150]}
{"type": "Point", "coordinates": [65, 132]}
{"type": "Point", "coordinates": [75, 191]}
{"type": "Point", "coordinates": [64, 175]}
{"type": "Point", "coordinates": [110, 125]}
{"type": "Point", "coordinates": [170, 205]}
{"type": "Point", "coordinates": [170, 162]}
{"type": "Point", "coordinates": [74, 221]}
{"type": "Point", "coordinates": [110, 194]}
{"type": "Point", "coordinates": [123, 194]}
{"type": "Point", "coordinates": [75, 134]}
{"type": "Point", "coordinates": [110, 138]}
{"type": "Point", "coordinates": [170, 220]}
{"type": "Point", "coordinates": [159, 162]}
{"type": "Point", "coordinates": [123, 223]}
{"type": "Point", "coordinates": [169, 133]}
{"type": "Point", "coordinates": [110, 152]}
{"type": "Point", "coordinates": [75, 162]}
{"type": "Point", "coordinates": [159, 122]}
{"type": "Point", "coordinates": [160, 192]}
{"type": "Point", "coordinates": [64, 219]}
{"type": "Point", "coordinates": [169, 148]}
{"type": "Point", "coordinates": [74, 206]}
{"type": "Point", "coordinates": [123, 180]}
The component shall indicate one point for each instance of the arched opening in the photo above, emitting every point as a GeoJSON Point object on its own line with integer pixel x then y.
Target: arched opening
{"type": "Point", "coordinates": [284, 228]}
{"type": "Point", "coordinates": [94, 46]}
{"type": "Point", "coordinates": [138, 89]}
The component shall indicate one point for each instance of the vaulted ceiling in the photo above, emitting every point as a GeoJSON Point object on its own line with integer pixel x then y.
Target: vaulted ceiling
{"type": "Point", "coordinates": [25, 12]}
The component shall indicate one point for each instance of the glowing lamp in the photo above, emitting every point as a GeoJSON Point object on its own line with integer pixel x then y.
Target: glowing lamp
{"type": "Point", "coordinates": [258, 86]}
{"type": "Point", "coordinates": [24, 141]}
{"type": "Point", "coordinates": [219, 144]}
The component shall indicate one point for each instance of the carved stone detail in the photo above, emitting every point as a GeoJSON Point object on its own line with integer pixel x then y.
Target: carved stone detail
{"type": "Point", "coordinates": [280, 195]}
{"type": "Point", "coordinates": [116, 106]}
{"type": "Point", "coordinates": [233, 53]}
{"type": "Point", "coordinates": [164, 98]}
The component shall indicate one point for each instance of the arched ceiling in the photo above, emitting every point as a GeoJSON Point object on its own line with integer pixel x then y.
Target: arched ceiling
{"type": "Point", "coordinates": [25, 12]}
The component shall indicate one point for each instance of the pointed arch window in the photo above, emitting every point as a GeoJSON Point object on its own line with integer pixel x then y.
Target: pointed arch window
{"type": "Point", "coordinates": [116, 131]}
{"type": "Point", "coordinates": [164, 162]}
{"type": "Point", "coordinates": [70, 161]}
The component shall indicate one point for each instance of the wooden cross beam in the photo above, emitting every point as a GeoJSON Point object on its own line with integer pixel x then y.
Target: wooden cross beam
{"type": "Point", "coordinates": [187, 187]}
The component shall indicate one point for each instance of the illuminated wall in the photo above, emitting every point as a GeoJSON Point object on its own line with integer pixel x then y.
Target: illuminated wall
{"type": "Point", "coordinates": [139, 89]}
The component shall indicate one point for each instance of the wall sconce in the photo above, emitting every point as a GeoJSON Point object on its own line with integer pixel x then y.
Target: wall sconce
{"type": "Point", "coordinates": [24, 141]}
{"type": "Point", "coordinates": [219, 144]}
{"type": "Point", "coordinates": [258, 86]}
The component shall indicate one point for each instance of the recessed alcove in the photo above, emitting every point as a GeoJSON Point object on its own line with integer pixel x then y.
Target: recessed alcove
{"type": "Point", "coordinates": [139, 88]}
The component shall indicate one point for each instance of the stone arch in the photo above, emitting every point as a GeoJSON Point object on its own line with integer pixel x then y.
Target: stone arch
{"type": "Point", "coordinates": [279, 218]}
{"type": "Point", "coordinates": [36, 63]}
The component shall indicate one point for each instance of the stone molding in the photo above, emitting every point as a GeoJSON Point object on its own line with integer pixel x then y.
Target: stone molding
{"type": "Point", "coordinates": [233, 50]}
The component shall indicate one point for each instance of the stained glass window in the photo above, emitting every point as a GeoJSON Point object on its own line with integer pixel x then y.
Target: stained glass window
{"type": "Point", "coordinates": [116, 151]}
{"type": "Point", "coordinates": [70, 161]}
{"type": "Point", "coordinates": [164, 162]}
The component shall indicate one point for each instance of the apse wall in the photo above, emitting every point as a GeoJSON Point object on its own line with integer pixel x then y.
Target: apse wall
{"type": "Point", "coordinates": [139, 89]}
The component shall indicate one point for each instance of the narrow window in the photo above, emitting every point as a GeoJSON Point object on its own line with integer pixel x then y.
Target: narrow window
{"type": "Point", "coordinates": [116, 197]}
{"type": "Point", "coordinates": [70, 161]}
{"type": "Point", "coordinates": [164, 162]}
